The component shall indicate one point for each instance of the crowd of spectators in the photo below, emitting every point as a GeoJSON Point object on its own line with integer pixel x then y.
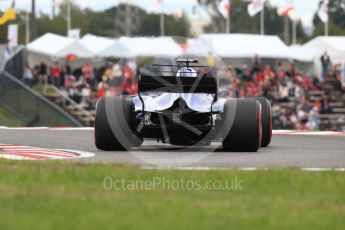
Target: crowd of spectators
{"type": "Point", "coordinates": [286, 88]}
{"type": "Point", "coordinates": [85, 84]}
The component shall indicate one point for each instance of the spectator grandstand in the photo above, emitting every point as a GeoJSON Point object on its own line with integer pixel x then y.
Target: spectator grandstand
{"type": "Point", "coordinates": [298, 101]}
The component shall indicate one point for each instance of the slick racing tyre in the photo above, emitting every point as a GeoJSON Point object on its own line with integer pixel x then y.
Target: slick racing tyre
{"type": "Point", "coordinates": [244, 135]}
{"type": "Point", "coordinates": [114, 126]}
{"type": "Point", "coordinates": [266, 121]}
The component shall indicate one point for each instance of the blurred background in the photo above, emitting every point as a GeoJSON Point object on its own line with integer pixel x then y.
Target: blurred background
{"type": "Point", "coordinates": [59, 56]}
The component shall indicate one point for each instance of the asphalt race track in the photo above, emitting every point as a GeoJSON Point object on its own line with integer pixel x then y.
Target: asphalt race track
{"type": "Point", "coordinates": [305, 151]}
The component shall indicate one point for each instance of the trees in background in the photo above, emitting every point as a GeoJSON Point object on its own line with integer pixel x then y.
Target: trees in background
{"type": "Point", "coordinates": [336, 19]}
{"type": "Point", "coordinates": [111, 22]}
{"type": "Point", "coordinates": [114, 22]}
{"type": "Point", "coordinates": [150, 26]}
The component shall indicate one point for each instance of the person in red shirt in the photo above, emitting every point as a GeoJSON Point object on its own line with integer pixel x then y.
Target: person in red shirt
{"type": "Point", "coordinates": [56, 74]}
{"type": "Point", "coordinates": [317, 105]}
{"type": "Point", "coordinates": [268, 73]}
{"type": "Point", "coordinates": [236, 86]}
{"type": "Point", "coordinates": [250, 89]}
{"type": "Point", "coordinates": [102, 88]}
{"type": "Point", "coordinates": [87, 71]}
{"type": "Point", "coordinates": [134, 89]}
{"type": "Point", "coordinates": [281, 73]}
{"type": "Point", "coordinates": [127, 79]}
{"type": "Point", "coordinates": [259, 77]}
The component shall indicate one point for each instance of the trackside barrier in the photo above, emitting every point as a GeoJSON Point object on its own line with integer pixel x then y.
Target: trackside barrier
{"type": "Point", "coordinates": [15, 64]}
{"type": "Point", "coordinates": [33, 108]}
{"type": "Point", "coordinates": [30, 106]}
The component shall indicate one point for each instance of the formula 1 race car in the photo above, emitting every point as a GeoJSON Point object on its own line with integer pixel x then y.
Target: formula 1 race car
{"type": "Point", "coordinates": [182, 107]}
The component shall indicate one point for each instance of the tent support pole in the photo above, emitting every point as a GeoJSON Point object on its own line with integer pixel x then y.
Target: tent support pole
{"type": "Point", "coordinates": [162, 19]}
{"type": "Point", "coordinates": [27, 28]}
{"type": "Point", "coordinates": [69, 19]}
{"type": "Point", "coordinates": [162, 24]}
{"type": "Point", "coordinates": [294, 32]}
{"type": "Point", "coordinates": [262, 21]}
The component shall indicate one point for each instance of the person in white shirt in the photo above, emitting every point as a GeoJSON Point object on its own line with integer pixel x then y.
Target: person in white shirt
{"type": "Point", "coordinates": [28, 76]}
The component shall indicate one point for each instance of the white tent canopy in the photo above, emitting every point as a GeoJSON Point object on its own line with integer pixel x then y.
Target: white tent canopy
{"type": "Point", "coordinates": [116, 50]}
{"type": "Point", "coordinates": [299, 53]}
{"type": "Point", "coordinates": [143, 46]}
{"type": "Point", "coordinates": [56, 46]}
{"type": "Point", "coordinates": [240, 46]}
{"type": "Point", "coordinates": [333, 45]}
{"type": "Point", "coordinates": [97, 44]}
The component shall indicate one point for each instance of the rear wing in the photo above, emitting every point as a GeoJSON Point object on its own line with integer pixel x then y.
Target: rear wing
{"type": "Point", "coordinates": [204, 83]}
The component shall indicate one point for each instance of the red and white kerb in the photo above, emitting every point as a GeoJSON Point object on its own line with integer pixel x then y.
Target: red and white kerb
{"type": "Point", "coordinates": [19, 152]}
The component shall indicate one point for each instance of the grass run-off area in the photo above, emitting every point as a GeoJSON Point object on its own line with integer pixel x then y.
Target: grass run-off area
{"type": "Point", "coordinates": [9, 119]}
{"type": "Point", "coordinates": [60, 195]}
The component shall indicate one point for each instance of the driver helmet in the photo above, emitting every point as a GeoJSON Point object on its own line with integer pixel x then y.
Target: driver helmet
{"type": "Point", "coordinates": [186, 72]}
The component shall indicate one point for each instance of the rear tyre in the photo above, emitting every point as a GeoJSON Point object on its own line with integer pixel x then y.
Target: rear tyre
{"type": "Point", "coordinates": [114, 124]}
{"type": "Point", "coordinates": [244, 134]}
{"type": "Point", "coordinates": [266, 121]}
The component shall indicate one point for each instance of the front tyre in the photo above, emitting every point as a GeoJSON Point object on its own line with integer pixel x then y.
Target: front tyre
{"type": "Point", "coordinates": [244, 133]}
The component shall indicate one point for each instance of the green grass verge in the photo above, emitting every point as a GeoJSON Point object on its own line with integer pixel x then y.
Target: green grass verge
{"type": "Point", "coordinates": [58, 195]}
{"type": "Point", "coordinates": [49, 89]}
{"type": "Point", "coordinates": [30, 106]}
{"type": "Point", "coordinates": [9, 119]}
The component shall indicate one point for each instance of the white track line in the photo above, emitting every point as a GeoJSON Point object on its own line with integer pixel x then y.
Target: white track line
{"type": "Point", "coordinates": [304, 132]}
{"type": "Point", "coordinates": [241, 169]}
{"type": "Point", "coordinates": [82, 154]}
{"type": "Point", "coordinates": [14, 157]}
{"type": "Point", "coordinates": [72, 129]}
{"type": "Point", "coordinates": [48, 128]}
{"type": "Point", "coordinates": [323, 169]}
{"type": "Point", "coordinates": [24, 128]}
